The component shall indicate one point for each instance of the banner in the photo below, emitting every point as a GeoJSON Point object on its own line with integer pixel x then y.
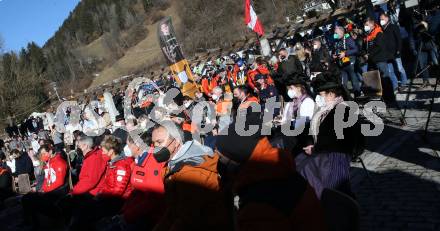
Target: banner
{"type": "Point", "coordinates": [175, 59]}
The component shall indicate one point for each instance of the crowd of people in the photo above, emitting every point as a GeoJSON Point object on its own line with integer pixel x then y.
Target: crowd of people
{"type": "Point", "coordinates": [155, 168]}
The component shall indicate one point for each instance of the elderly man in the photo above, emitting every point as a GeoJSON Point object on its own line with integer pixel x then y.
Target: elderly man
{"type": "Point", "coordinates": [92, 170]}
{"type": "Point", "coordinates": [192, 191]}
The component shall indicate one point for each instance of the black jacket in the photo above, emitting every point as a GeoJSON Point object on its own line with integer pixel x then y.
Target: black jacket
{"type": "Point", "coordinates": [327, 140]}
{"type": "Point", "coordinates": [23, 165]}
{"type": "Point", "coordinates": [288, 67]}
{"type": "Point", "coordinates": [319, 57]}
{"type": "Point", "coordinates": [285, 69]}
{"type": "Point", "coordinates": [393, 39]}
{"type": "Point", "coordinates": [377, 49]}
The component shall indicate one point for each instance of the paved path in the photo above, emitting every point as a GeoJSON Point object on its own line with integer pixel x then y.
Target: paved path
{"type": "Point", "coordinates": [403, 191]}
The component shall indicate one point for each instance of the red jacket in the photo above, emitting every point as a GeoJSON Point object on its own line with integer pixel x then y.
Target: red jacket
{"type": "Point", "coordinates": [147, 201]}
{"type": "Point", "coordinates": [116, 182]}
{"type": "Point", "coordinates": [92, 171]}
{"type": "Point", "coordinates": [54, 173]}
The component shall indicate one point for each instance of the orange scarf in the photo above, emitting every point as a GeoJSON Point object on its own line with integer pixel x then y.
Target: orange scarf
{"type": "Point", "coordinates": [374, 33]}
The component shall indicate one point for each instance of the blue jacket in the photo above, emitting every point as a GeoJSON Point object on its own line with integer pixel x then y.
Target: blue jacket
{"type": "Point", "coordinates": [348, 46]}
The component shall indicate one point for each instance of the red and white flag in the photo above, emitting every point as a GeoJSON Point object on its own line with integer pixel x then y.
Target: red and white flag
{"type": "Point", "coordinates": [251, 18]}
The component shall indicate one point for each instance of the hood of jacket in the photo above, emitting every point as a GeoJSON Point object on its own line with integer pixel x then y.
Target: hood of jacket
{"type": "Point", "coordinates": [192, 152]}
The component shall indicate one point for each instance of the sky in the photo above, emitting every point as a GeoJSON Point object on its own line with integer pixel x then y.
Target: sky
{"type": "Point", "coordinates": [23, 21]}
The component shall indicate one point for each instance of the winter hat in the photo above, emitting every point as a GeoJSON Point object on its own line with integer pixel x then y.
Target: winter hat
{"type": "Point", "coordinates": [296, 78]}
{"type": "Point", "coordinates": [326, 81]}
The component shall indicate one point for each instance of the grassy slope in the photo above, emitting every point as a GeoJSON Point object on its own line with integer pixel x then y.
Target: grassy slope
{"type": "Point", "coordinates": [145, 53]}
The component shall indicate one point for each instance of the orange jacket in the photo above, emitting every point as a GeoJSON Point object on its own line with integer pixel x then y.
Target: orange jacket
{"type": "Point", "coordinates": [373, 34]}
{"type": "Point", "coordinates": [249, 100]}
{"type": "Point", "coordinates": [223, 107]}
{"type": "Point", "coordinates": [265, 165]}
{"type": "Point", "coordinates": [205, 86]}
{"type": "Point", "coordinates": [260, 70]}
{"type": "Point", "coordinates": [194, 199]}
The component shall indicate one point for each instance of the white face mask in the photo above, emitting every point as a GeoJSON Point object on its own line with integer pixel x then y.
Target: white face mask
{"type": "Point", "coordinates": [187, 104]}
{"type": "Point", "coordinates": [127, 151]}
{"type": "Point", "coordinates": [291, 93]}
{"type": "Point", "coordinates": [367, 28]}
{"type": "Point", "coordinates": [320, 101]}
{"type": "Point", "coordinates": [215, 97]}
{"type": "Point", "coordinates": [383, 22]}
{"type": "Point", "coordinates": [315, 47]}
{"type": "Point", "coordinates": [144, 124]}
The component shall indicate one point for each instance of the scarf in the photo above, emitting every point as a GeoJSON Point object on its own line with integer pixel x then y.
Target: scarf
{"type": "Point", "coordinates": [372, 35]}
{"type": "Point", "coordinates": [296, 105]}
{"type": "Point", "coordinates": [320, 116]}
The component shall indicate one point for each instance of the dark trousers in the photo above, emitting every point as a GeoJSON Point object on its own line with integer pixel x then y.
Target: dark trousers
{"type": "Point", "coordinates": [88, 210]}
{"type": "Point", "coordinates": [35, 204]}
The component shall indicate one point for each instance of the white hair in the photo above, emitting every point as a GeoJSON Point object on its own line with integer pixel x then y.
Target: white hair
{"type": "Point", "coordinates": [173, 130]}
{"type": "Point", "coordinates": [87, 140]}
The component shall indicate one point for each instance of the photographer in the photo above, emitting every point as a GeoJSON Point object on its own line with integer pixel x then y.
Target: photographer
{"type": "Point", "coordinates": [345, 55]}
{"type": "Point", "coordinates": [423, 47]}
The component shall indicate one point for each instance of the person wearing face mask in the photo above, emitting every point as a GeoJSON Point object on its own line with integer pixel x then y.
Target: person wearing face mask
{"type": "Point", "coordinates": [92, 170]}
{"type": "Point", "coordinates": [392, 37]}
{"type": "Point", "coordinates": [320, 57]}
{"type": "Point", "coordinates": [345, 54]}
{"type": "Point", "coordinates": [223, 110]}
{"type": "Point", "coordinates": [301, 107]}
{"type": "Point", "coordinates": [287, 66]}
{"type": "Point", "coordinates": [116, 179]}
{"type": "Point", "coordinates": [297, 112]}
{"type": "Point", "coordinates": [242, 101]}
{"type": "Point", "coordinates": [145, 205]}
{"type": "Point", "coordinates": [325, 161]}
{"type": "Point", "coordinates": [114, 187]}
{"type": "Point", "coordinates": [192, 189]}
{"type": "Point", "coordinates": [266, 91]}
{"type": "Point", "coordinates": [379, 54]}
{"type": "Point", "coordinates": [53, 188]}
{"type": "Point", "coordinates": [243, 97]}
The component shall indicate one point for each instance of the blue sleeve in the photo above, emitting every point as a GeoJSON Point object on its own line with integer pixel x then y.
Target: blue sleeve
{"type": "Point", "coordinates": [352, 49]}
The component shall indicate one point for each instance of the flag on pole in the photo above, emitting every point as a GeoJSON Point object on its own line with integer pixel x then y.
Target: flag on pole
{"type": "Point", "coordinates": [251, 18]}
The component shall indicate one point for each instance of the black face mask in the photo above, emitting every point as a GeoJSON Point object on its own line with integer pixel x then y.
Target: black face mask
{"type": "Point", "coordinates": [236, 102]}
{"type": "Point", "coordinates": [78, 152]}
{"type": "Point", "coordinates": [162, 154]}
